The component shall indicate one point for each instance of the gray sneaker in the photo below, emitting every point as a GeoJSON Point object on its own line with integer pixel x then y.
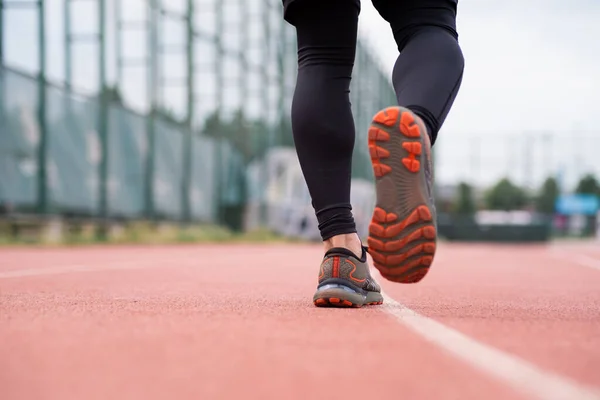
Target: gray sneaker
{"type": "Point", "coordinates": [403, 231]}
{"type": "Point", "coordinates": [345, 281]}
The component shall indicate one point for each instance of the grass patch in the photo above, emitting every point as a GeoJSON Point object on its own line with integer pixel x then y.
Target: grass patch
{"type": "Point", "coordinates": [142, 233]}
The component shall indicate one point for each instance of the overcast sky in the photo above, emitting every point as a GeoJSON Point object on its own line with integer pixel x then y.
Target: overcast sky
{"type": "Point", "coordinates": [537, 59]}
{"type": "Point", "coordinates": [532, 66]}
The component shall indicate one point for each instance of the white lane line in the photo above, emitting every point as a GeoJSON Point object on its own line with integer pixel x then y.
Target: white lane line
{"type": "Point", "coordinates": [581, 259]}
{"type": "Point", "coordinates": [141, 263]}
{"type": "Point", "coordinates": [586, 261]}
{"type": "Point", "coordinates": [63, 269]}
{"type": "Point", "coordinates": [517, 373]}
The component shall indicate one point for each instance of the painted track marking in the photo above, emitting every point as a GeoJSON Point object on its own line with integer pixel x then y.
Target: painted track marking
{"type": "Point", "coordinates": [517, 373]}
{"type": "Point", "coordinates": [513, 371]}
{"type": "Point", "coordinates": [581, 259]}
{"type": "Point", "coordinates": [587, 261]}
{"type": "Point", "coordinates": [142, 263]}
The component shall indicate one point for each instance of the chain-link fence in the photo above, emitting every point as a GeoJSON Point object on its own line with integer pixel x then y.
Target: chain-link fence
{"type": "Point", "coordinates": [189, 98]}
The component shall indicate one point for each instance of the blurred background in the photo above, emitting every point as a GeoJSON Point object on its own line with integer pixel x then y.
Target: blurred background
{"type": "Point", "coordinates": [132, 120]}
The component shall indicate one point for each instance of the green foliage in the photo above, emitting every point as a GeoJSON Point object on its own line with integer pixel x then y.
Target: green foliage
{"type": "Point", "coordinates": [250, 138]}
{"type": "Point", "coordinates": [131, 233]}
{"type": "Point", "coordinates": [464, 204]}
{"type": "Point", "coordinates": [546, 198]}
{"type": "Point", "coordinates": [506, 196]}
{"type": "Point", "coordinates": [170, 117]}
{"type": "Point", "coordinates": [588, 185]}
{"type": "Point", "coordinates": [112, 95]}
{"type": "Point", "coordinates": [285, 137]}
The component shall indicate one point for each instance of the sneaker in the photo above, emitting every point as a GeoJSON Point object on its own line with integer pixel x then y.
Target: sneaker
{"type": "Point", "coordinates": [403, 231]}
{"type": "Point", "coordinates": [345, 281]}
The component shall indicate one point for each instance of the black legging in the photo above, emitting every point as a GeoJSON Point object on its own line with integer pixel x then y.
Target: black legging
{"type": "Point", "coordinates": [426, 78]}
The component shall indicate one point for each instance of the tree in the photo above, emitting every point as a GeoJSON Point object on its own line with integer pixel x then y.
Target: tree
{"type": "Point", "coordinates": [212, 125]}
{"type": "Point", "coordinates": [588, 185]}
{"type": "Point", "coordinates": [250, 138]}
{"type": "Point", "coordinates": [506, 196]}
{"type": "Point", "coordinates": [285, 132]}
{"type": "Point", "coordinates": [546, 199]}
{"type": "Point", "coordinates": [112, 95]}
{"type": "Point", "coordinates": [169, 116]}
{"type": "Point", "coordinates": [464, 204]}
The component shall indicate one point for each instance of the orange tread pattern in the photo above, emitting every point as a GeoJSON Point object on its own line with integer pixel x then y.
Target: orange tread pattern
{"type": "Point", "coordinates": [335, 302]}
{"type": "Point", "coordinates": [387, 117]}
{"type": "Point", "coordinates": [410, 265]}
{"type": "Point", "coordinates": [399, 255]}
{"type": "Point", "coordinates": [377, 153]}
{"type": "Point", "coordinates": [408, 128]}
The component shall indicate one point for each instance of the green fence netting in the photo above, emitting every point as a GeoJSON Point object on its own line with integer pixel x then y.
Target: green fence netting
{"type": "Point", "coordinates": [128, 146]}
{"type": "Point", "coordinates": [19, 135]}
{"type": "Point", "coordinates": [222, 148]}
{"type": "Point", "coordinates": [74, 155]}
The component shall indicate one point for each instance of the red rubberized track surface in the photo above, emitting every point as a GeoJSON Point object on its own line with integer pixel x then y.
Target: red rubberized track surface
{"type": "Point", "coordinates": [232, 322]}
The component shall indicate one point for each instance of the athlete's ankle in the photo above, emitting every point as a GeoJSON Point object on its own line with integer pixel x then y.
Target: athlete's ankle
{"type": "Point", "coordinates": [349, 241]}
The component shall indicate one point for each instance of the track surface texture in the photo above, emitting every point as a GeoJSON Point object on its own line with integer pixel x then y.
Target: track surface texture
{"type": "Point", "coordinates": [237, 322]}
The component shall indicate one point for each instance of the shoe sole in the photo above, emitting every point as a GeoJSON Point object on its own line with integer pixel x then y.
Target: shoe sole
{"type": "Point", "coordinates": [402, 234]}
{"type": "Point", "coordinates": [342, 298]}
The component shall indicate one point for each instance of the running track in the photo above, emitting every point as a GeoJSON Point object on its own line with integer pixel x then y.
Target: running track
{"type": "Point", "coordinates": [237, 322]}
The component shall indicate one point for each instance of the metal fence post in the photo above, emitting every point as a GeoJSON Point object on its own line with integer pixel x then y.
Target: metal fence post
{"type": "Point", "coordinates": [187, 142]}
{"type": "Point", "coordinates": [219, 105]}
{"type": "Point", "coordinates": [263, 61]}
{"type": "Point", "coordinates": [153, 97]}
{"type": "Point", "coordinates": [67, 43]}
{"type": "Point", "coordinates": [103, 113]}
{"type": "Point", "coordinates": [42, 178]}
{"type": "Point", "coordinates": [1, 32]}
